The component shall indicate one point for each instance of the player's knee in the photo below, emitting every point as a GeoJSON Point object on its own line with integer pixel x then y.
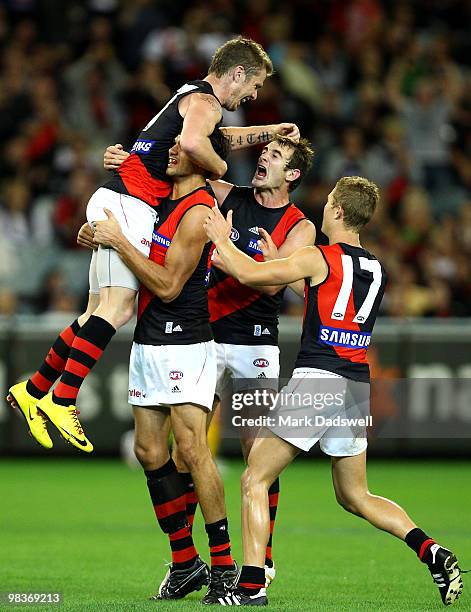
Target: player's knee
{"type": "Point", "coordinates": [192, 452]}
{"type": "Point", "coordinates": [150, 456]}
{"type": "Point", "coordinates": [250, 481]}
{"type": "Point", "coordinates": [351, 501]}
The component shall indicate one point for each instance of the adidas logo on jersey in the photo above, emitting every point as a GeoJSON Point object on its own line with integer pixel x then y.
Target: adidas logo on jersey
{"type": "Point", "coordinates": [169, 328]}
{"type": "Point", "coordinates": [265, 332]}
{"type": "Point", "coordinates": [254, 230]}
{"type": "Point", "coordinates": [176, 389]}
{"type": "Point", "coordinates": [177, 328]}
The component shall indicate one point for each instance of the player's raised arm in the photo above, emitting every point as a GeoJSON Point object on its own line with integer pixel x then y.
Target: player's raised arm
{"type": "Point", "coordinates": [201, 113]}
{"type": "Point", "coordinates": [243, 137]}
{"type": "Point", "coordinates": [306, 262]}
{"type": "Point", "coordinates": [181, 259]}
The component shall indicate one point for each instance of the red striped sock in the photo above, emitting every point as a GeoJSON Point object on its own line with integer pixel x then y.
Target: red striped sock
{"type": "Point", "coordinates": [190, 497]}
{"type": "Point", "coordinates": [219, 544]}
{"type": "Point", "coordinates": [87, 348]}
{"type": "Point", "coordinates": [251, 579]}
{"type": "Point", "coordinates": [420, 542]}
{"type": "Point", "coordinates": [273, 495]}
{"type": "Point", "coordinates": [53, 365]}
{"type": "Point", "coordinates": [167, 492]}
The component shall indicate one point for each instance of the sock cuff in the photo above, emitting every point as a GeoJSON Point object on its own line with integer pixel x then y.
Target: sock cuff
{"type": "Point", "coordinates": [98, 331]}
{"type": "Point", "coordinates": [187, 478]}
{"type": "Point", "coordinates": [275, 487]}
{"type": "Point", "coordinates": [75, 327]}
{"type": "Point", "coordinates": [217, 528]}
{"type": "Point", "coordinates": [161, 472]}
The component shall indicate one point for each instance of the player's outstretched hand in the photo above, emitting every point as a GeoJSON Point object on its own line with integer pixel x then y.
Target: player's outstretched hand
{"type": "Point", "coordinates": [267, 246]}
{"type": "Point", "coordinates": [114, 156]}
{"type": "Point", "coordinates": [85, 237]}
{"type": "Point", "coordinates": [288, 129]}
{"type": "Point", "coordinates": [216, 227]}
{"type": "Point", "coordinates": [108, 233]}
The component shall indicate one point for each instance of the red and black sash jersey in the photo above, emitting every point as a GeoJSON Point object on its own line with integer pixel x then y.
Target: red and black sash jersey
{"type": "Point", "coordinates": [143, 173]}
{"type": "Point", "coordinates": [185, 320]}
{"type": "Point", "coordinates": [240, 314]}
{"type": "Point", "coordinates": [340, 312]}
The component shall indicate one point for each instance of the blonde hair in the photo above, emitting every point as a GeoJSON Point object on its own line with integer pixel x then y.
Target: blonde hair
{"type": "Point", "coordinates": [358, 198]}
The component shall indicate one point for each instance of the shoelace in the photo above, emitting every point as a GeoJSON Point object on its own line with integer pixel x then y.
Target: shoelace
{"type": "Point", "coordinates": [74, 414]}
{"type": "Point", "coordinates": [443, 575]}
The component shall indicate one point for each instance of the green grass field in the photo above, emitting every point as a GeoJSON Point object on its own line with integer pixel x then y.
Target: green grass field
{"type": "Point", "coordinates": [86, 528]}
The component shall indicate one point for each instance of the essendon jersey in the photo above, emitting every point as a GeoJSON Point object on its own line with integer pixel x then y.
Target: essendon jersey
{"type": "Point", "coordinates": [143, 173]}
{"type": "Point", "coordinates": [340, 312]}
{"type": "Point", "coordinates": [185, 320]}
{"type": "Point", "coordinates": [240, 314]}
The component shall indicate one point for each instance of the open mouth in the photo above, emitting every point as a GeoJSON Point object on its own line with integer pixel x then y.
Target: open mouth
{"type": "Point", "coordinates": [261, 172]}
{"type": "Point", "coordinates": [172, 161]}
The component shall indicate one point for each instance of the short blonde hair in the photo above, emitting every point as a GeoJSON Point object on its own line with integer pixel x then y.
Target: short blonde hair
{"type": "Point", "coordinates": [358, 198]}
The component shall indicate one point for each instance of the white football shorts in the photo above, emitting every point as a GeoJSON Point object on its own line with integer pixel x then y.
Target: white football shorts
{"type": "Point", "coordinates": [172, 374]}
{"type": "Point", "coordinates": [241, 361]}
{"type": "Point", "coordinates": [137, 221]}
{"type": "Point", "coordinates": [332, 398]}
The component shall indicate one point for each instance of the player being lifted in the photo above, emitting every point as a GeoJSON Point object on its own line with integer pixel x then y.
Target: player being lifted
{"type": "Point", "coordinates": [172, 373]}
{"type": "Point", "coordinates": [343, 289]}
{"type": "Point", "coordinates": [237, 71]}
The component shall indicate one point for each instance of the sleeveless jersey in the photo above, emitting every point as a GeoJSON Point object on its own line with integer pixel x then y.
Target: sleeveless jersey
{"type": "Point", "coordinates": [185, 320]}
{"type": "Point", "coordinates": [240, 314]}
{"type": "Point", "coordinates": [143, 173]}
{"type": "Point", "coordinates": [340, 312]}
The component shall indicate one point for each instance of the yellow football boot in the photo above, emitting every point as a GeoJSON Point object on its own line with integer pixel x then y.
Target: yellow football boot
{"type": "Point", "coordinates": [65, 418]}
{"type": "Point", "coordinates": [18, 397]}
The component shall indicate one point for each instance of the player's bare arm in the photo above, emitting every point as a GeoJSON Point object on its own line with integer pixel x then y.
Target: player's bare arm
{"type": "Point", "coordinates": [243, 137]}
{"type": "Point", "coordinates": [181, 259]}
{"type": "Point", "coordinates": [303, 234]}
{"type": "Point", "coordinates": [304, 263]}
{"type": "Point", "coordinates": [201, 113]}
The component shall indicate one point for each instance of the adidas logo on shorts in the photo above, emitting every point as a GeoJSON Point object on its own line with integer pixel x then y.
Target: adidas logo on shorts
{"type": "Point", "coordinates": [176, 389]}
{"type": "Point", "coordinates": [261, 375]}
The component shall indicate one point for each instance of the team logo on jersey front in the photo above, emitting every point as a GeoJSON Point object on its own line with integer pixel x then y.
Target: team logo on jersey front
{"type": "Point", "coordinates": [175, 375]}
{"type": "Point", "coordinates": [142, 146]}
{"type": "Point", "coordinates": [234, 235]}
{"type": "Point", "coordinates": [344, 337]}
{"type": "Point", "coordinates": [261, 363]}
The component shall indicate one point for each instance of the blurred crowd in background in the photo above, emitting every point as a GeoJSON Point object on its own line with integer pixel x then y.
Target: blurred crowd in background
{"type": "Point", "coordinates": [381, 88]}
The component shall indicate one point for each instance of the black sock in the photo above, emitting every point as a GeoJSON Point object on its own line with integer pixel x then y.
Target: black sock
{"type": "Point", "coordinates": [219, 544]}
{"type": "Point", "coordinates": [86, 349]}
{"type": "Point", "coordinates": [273, 495]}
{"type": "Point", "coordinates": [167, 492]}
{"type": "Point", "coordinates": [420, 542]}
{"type": "Point", "coordinates": [191, 497]}
{"type": "Point", "coordinates": [251, 580]}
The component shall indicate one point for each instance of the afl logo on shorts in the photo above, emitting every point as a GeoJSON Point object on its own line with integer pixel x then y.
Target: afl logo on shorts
{"type": "Point", "coordinates": [234, 235]}
{"type": "Point", "coordinates": [261, 363]}
{"type": "Point", "coordinates": [176, 375]}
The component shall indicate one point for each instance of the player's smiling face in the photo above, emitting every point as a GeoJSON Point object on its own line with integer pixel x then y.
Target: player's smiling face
{"type": "Point", "coordinates": [271, 171]}
{"type": "Point", "coordinates": [179, 164]}
{"type": "Point", "coordinates": [244, 88]}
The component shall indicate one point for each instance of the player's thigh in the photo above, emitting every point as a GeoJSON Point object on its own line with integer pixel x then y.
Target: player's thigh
{"type": "Point", "coordinates": [349, 475]}
{"type": "Point", "coordinates": [152, 426]}
{"type": "Point", "coordinates": [188, 424]}
{"type": "Point", "coordinates": [134, 216]}
{"type": "Point", "coordinates": [268, 457]}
